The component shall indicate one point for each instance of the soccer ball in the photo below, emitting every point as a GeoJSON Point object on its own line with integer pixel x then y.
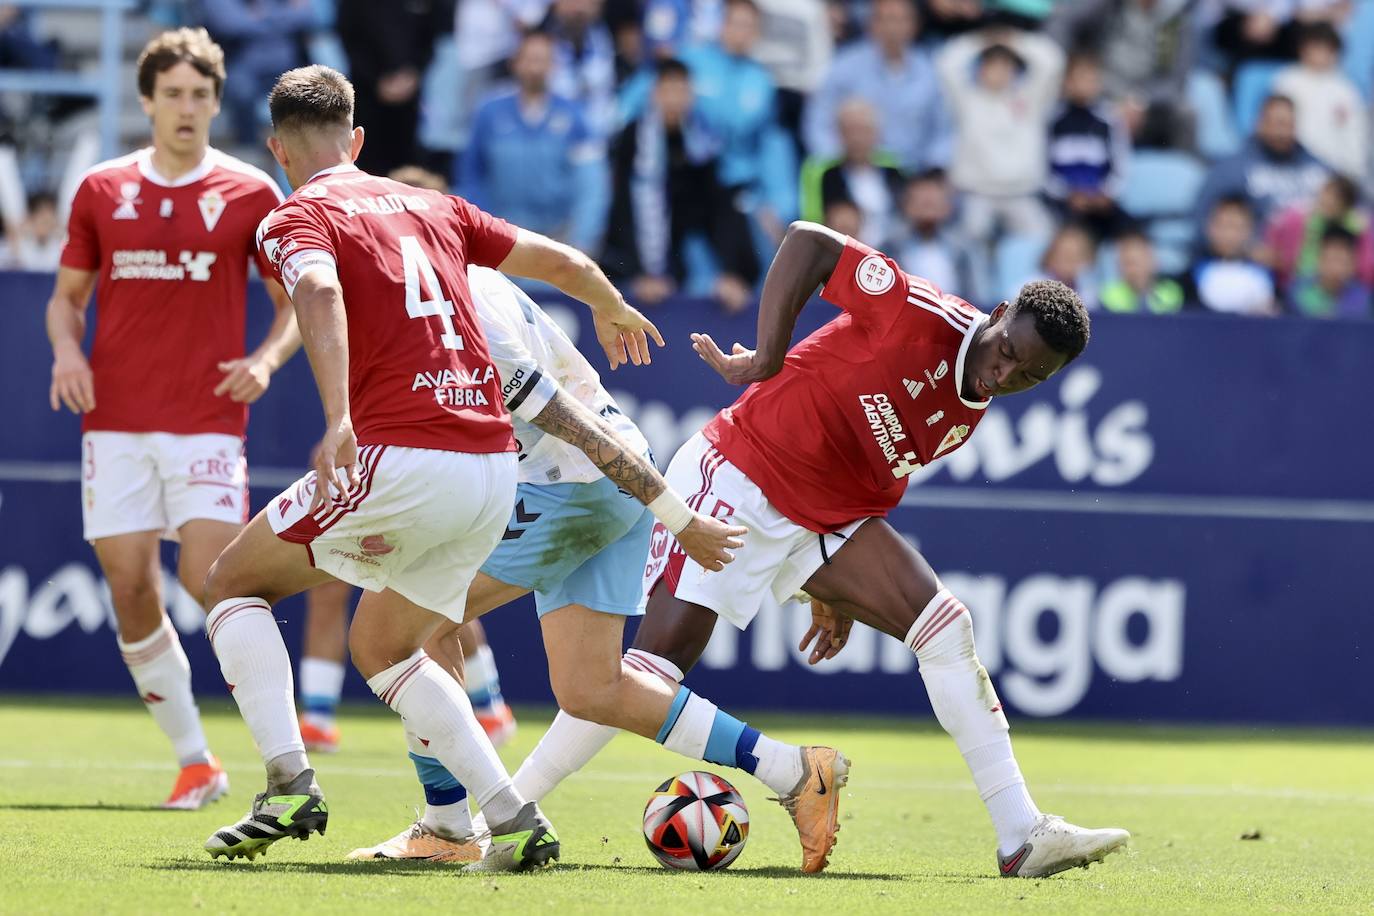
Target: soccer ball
{"type": "Point", "coordinates": [696, 822]}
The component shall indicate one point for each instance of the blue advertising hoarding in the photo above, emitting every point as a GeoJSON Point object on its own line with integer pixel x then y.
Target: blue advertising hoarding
{"type": "Point", "coordinates": [1172, 528]}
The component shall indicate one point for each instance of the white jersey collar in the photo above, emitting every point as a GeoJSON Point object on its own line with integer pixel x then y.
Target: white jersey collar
{"type": "Point", "coordinates": [146, 169]}
{"type": "Point", "coordinates": [959, 366]}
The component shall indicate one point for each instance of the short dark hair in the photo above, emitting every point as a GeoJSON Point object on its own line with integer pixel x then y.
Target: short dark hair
{"type": "Point", "coordinates": [932, 175]}
{"type": "Point", "coordinates": [1346, 188]}
{"type": "Point", "coordinates": [750, 4]}
{"type": "Point", "coordinates": [1320, 32]}
{"type": "Point", "coordinates": [1276, 98]}
{"type": "Point", "coordinates": [1083, 56]}
{"type": "Point", "coordinates": [1061, 319]}
{"type": "Point", "coordinates": [1234, 202]}
{"type": "Point", "coordinates": [998, 50]}
{"type": "Point", "coordinates": [185, 45]}
{"type": "Point", "coordinates": [1339, 235]}
{"type": "Point", "coordinates": [314, 96]}
{"type": "Point", "coordinates": [671, 67]}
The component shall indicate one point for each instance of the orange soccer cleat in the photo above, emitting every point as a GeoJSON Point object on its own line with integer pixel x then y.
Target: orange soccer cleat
{"type": "Point", "coordinates": [815, 807]}
{"type": "Point", "coordinates": [198, 785]}
{"type": "Point", "coordinates": [320, 738]}
{"type": "Point", "coordinates": [421, 843]}
{"type": "Point", "coordinates": [498, 722]}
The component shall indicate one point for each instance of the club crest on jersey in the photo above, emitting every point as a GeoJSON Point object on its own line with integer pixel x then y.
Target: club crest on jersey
{"type": "Point", "coordinates": [211, 208]}
{"type": "Point", "coordinates": [953, 438]}
{"type": "Point", "coordinates": [874, 275]}
{"type": "Point", "coordinates": [128, 191]}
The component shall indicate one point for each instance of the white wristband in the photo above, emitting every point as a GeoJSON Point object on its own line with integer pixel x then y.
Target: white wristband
{"type": "Point", "coordinates": [669, 509]}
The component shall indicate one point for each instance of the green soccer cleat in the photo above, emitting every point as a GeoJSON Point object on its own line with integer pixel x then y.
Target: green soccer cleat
{"type": "Point", "coordinates": [297, 810]}
{"type": "Point", "coordinates": [523, 843]}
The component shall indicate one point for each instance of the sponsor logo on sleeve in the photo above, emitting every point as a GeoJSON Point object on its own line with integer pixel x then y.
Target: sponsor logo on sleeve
{"type": "Point", "coordinates": [874, 275]}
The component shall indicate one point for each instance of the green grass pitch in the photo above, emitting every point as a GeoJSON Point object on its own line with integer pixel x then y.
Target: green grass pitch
{"type": "Point", "coordinates": [78, 835]}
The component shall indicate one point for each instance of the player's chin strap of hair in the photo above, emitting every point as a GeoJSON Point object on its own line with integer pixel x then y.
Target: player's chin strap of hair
{"type": "Point", "coordinates": [825, 555]}
{"type": "Point", "coordinates": [669, 509]}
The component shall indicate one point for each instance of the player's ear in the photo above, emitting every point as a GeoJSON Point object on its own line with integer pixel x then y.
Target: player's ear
{"type": "Point", "coordinates": [998, 312]}
{"type": "Point", "coordinates": [356, 146]}
{"type": "Point", "coordinates": [277, 150]}
{"type": "Point", "coordinates": [147, 104]}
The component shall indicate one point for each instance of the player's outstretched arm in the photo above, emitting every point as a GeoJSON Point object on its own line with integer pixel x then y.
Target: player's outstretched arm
{"type": "Point", "coordinates": [72, 381]}
{"type": "Point", "coordinates": [806, 258]}
{"type": "Point", "coordinates": [623, 332]}
{"type": "Point", "coordinates": [246, 379]}
{"type": "Point", "coordinates": [708, 541]}
{"type": "Point", "coordinates": [319, 305]}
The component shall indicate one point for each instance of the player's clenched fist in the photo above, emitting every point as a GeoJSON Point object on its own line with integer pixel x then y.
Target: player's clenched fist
{"type": "Point", "coordinates": [709, 541]}
{"type": "Point", "coordinates": [244, 380]}
{"type": "Point", "coordinates": [72, 382]}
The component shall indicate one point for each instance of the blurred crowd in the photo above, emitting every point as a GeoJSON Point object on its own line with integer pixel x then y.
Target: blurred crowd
{"type": "Point", "coordinates": [1160, 156]}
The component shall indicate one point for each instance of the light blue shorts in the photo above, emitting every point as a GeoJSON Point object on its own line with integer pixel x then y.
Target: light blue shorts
{"type": "Point", "coordinates": [575, 543]}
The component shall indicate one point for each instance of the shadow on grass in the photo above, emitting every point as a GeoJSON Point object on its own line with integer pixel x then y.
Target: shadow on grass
{"type": "Point", "coordinates": [395, 867]}
{"type": "Point", "coordinates": [92, 806]}
{"type": "Point", "coordinates": [765, 871]}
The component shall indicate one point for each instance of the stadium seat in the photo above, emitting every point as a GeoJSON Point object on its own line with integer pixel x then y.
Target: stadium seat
{"type": "Point", "coordinates": [1162, 183]}
{"type": "Point", "coordinates": [1216, 127]}
{"type": "Point", "coordinates": [1173, 240]}
{"type": "Point", "coordinates": [1016, 259]}
{"type": "Point", "coordinates": [1250, 86]}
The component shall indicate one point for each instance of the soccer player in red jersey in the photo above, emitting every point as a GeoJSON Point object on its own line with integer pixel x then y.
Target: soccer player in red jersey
{"type": "Point", "coordinates": [813, 455]}
{"type": "Point", "coordinates": [415, 474]}
{"type": "Point", "coordinates": [164, 236]}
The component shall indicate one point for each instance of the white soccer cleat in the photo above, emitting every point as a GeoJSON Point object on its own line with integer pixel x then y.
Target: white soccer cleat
{"type": "Point", "coordinates": [1055, 845]}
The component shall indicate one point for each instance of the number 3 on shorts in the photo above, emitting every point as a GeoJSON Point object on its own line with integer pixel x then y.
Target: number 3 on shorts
{"type": "Point", "coordinates": [419, 271]}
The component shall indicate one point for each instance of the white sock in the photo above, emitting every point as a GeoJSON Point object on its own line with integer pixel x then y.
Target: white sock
{"type": "Point", "coordinates": [452, 820]}
{"type": "Point", "coordinates": [437, 710]}
{"type": "Point", "coordinates": [480, 679]}
{"type": "Point", "coordinates": [570, 743]}
{"type": "Point", "coordinates": [320, 688]}
{"type": "Point", "coordinates": [257, 670]}
{"type": "Point", "coordinates": [780, 765]}
{"type": "Point", "coordinates": [968, 709]}
{"type": "Point", "coordinates": [162, 676]}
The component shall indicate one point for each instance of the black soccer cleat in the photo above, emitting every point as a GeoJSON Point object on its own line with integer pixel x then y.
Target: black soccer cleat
{"type": "Point", "coordinates": [296, 810]}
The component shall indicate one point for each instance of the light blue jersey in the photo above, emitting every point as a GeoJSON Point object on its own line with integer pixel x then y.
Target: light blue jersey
{"type": "Point", "coordinates": [574, 537]}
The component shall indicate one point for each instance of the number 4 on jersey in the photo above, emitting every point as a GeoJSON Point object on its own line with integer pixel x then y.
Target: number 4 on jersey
{"type": "Point", "coordinates": [420, 272]}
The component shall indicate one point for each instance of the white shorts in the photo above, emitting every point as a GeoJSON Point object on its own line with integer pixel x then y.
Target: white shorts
{"type": "Point", "coordinates": [778, 554]}
{"type": "Point", "coordinates": [160, 481]}
{"type": "Point", "coordinates": [420, 522]}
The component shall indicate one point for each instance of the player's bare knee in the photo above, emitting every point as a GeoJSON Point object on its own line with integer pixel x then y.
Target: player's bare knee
{"type": "Point", "coordinates": [584, 698]}
{"type": "Point", "coordinates": [132, 593]}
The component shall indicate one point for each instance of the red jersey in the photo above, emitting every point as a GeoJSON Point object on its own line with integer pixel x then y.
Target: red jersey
{"type": "Point", "coordinates": [169, 303]}
{"type": "Point", "coordinates": [419, 373]}
{"type": "Point", "coordinates": [862, 402]}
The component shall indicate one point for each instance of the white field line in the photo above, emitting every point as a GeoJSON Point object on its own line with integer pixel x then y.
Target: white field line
{"type": "Point", "coordinates": [883, 785]}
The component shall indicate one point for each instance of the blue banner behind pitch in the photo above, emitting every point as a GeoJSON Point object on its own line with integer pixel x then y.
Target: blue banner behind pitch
{"type": "Point", "coordinates": [1173, 528]}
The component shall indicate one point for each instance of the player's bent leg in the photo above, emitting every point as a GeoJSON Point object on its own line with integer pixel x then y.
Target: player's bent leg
{"type": "Point", "coordinates": [886, 583]}
{"type": "Point", "coordinates": [437, 710]}
{"type": "Point", "coordinates": [202, 541]}
{"type": "Point", "coordinates": [152, 650]}
{"type": "Point", "coordinates": [256, 570]}
{"type": "Point", "coordinates": [592, 682]}
{"type": "Point", "coordinates": [674, 629]}
{"type": "Point", "coordinates": [324, 649]}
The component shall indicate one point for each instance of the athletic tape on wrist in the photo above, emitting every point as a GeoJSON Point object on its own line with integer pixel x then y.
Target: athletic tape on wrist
{"type": "Point", "coordinates": [669, 509]}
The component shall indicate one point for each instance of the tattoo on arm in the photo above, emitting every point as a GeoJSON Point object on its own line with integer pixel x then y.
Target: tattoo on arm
{"type": "Point", "coordinates": [575, 424]}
